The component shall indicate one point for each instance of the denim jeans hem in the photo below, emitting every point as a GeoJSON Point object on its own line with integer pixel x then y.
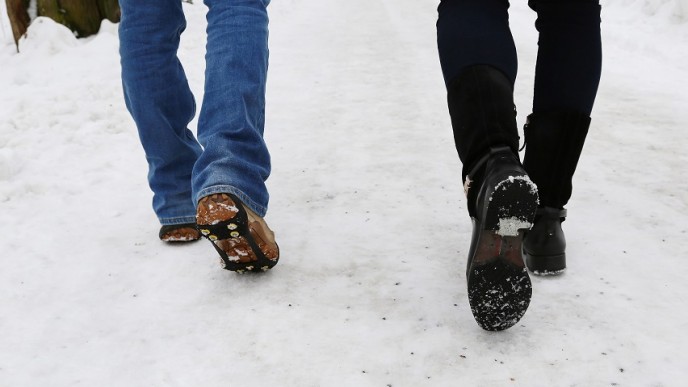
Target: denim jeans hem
{"type": "Point", "coordinates": [255, 207]}
{"type": "Point", "coordinates": [178, 220]}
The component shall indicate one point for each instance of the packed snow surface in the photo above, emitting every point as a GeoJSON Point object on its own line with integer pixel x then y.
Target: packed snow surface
{"type": "Point", "coordinates": [368, 212]}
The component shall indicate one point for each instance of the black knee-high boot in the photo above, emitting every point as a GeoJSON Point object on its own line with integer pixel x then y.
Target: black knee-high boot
{"type": "Point", "coordinates": [501, 198]}
{"type": "Point", "coordinates": [567, 75]}
{"type": "Point", "coordinates": [554, 142]}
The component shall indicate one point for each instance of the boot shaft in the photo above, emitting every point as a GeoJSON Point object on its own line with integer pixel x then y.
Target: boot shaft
{"type": "Point", "coordinates": [554, 142]}
{"type": "Point", "coordinates": [481, 106]}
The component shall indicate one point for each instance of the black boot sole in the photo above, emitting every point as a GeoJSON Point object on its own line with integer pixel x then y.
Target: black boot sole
{"type": "Point", "coordinates": [499, 288]}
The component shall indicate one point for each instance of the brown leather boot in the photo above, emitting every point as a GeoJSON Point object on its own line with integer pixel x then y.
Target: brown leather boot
{"type": "Point", "coordinates": [241, 237]}
{"type": "Point", "coordinates": [179, 233]}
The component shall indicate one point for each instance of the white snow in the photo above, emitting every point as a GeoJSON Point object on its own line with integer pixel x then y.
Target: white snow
{"type": "Point", "coordinates": [510, 226]}
{"type": "Point", "coordinates": [368, 212]}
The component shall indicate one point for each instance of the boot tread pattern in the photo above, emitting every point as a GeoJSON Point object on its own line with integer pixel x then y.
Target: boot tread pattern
{"type": "Point", "coordinates": [499, 288]}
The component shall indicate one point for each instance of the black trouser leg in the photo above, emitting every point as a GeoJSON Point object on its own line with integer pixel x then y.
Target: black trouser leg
{"type": "Point", "coordinates": [569, 61]}
{"type": "Point", "coordinates": [472, 32]}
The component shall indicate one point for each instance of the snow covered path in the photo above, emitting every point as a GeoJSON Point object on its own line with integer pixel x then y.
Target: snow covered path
{"type": "Point", "coordinates": [368, 209]}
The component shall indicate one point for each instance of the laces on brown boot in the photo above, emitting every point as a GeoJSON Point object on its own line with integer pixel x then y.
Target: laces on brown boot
{"type": "Point", "coordinates": [178, 233]}
{"type": "Point", "coordinates": [242, 238]}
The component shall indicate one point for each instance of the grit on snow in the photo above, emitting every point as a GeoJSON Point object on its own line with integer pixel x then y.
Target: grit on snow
{"type": "Point", "coordinates": [368, 209]}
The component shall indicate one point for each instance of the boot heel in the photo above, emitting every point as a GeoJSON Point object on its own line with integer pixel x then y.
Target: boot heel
{"type": "Point", "coordinates": [545, 264]}
{"type": "Point", "coordinates": [544, 246]}
{"type": "Point", "coordinates": [513, 200]}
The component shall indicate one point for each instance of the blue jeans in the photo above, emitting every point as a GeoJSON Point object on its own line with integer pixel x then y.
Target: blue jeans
{"type": "Point", "coordinates": [230, 154]}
